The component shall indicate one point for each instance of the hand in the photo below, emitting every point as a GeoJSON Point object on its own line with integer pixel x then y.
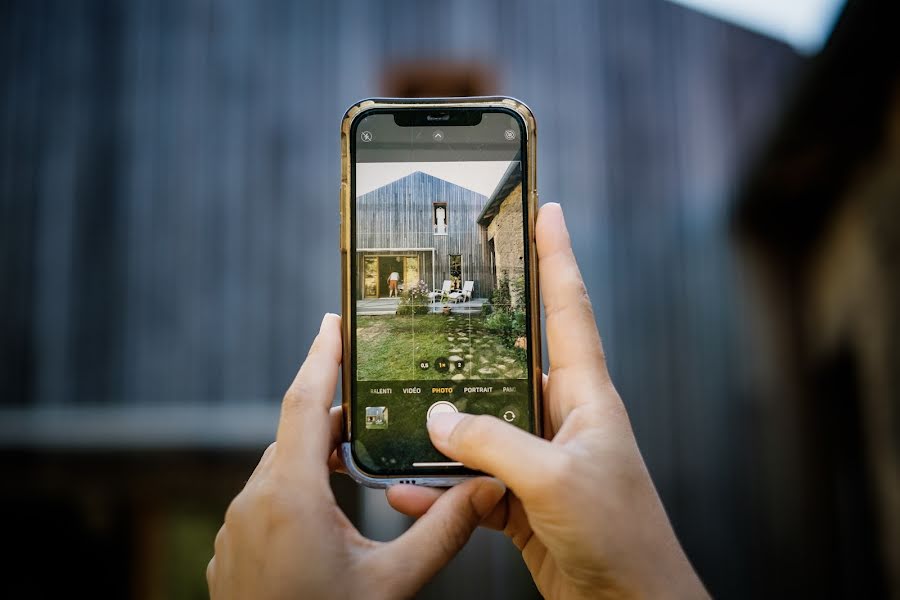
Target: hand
{"type": "Point", "coordinates": [581, 506]}
{"type": "Point", "coordinates": [285, 537]}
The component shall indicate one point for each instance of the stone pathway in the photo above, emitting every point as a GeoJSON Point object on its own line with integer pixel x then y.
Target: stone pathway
{"type": "Point", "coordinates": [481, 354]}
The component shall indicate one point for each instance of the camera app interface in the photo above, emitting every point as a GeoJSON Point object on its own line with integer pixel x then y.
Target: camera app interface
{"type": "Point", "coordinates": [439, 284]}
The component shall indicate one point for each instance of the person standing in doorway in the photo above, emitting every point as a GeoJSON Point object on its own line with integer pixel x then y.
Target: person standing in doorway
{"type": "Point", "coordinates": [393, 281]}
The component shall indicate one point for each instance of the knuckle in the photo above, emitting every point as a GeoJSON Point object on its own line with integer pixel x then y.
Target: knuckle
{"type": "Point", "coordinates": [294, 398]}
{"type": "Point", "coordinates": [237, 510]}
{"type": "Point", "coordinates": [455, 536]}
{"type": "Point", "coordinates": [265, 495]}
{"type": "Point", "coordinates": [304, 387]}
{"type": "Point", "coordinates": [266, 504]}
{"type": "Point", "coordinates": [578, 289]}
{"type": "Point", "coordinates": [557, 257]}
{"type": "Point", "coordinates": [577, 292]}
{"type": "Point", "coordinates": [269, 451]}
{"type": "Point", "coordinates": [586, 416]}
{"type": "Point", "coordinates": [576, 298]}
{"type": "Point", "coordinates": [219, 543]}
{"type": "Point", "coordinates": [275, 505]}
{"type": "Point", "coordinates": [456, 530]}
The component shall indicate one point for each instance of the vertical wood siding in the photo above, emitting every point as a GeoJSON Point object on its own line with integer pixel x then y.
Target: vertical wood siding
{"type": "Point", "coordinates": [399, 215]}
{"type": "Point", "coordinates": [169, 207]}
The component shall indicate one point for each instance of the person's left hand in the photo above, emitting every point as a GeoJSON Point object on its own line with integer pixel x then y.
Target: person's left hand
{"type": "Point", "coordinates": [284, 535]}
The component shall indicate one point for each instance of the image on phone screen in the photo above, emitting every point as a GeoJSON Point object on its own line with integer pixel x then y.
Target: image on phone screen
{"type": "Point", "coordinates": [439, 276]}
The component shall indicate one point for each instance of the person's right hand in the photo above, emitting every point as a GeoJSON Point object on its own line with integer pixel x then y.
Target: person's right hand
{"type": "Point", "coordinates": [581, 505]}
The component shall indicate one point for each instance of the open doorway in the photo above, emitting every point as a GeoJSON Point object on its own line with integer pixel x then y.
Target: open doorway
{"type": "Point", "coordinates": [377, 272]}
{"type": "Point", "coordinates": [389, 267]}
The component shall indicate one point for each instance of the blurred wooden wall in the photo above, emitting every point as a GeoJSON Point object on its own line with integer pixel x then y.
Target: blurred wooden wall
{"type": "Point", "coordinates": [169, 208]}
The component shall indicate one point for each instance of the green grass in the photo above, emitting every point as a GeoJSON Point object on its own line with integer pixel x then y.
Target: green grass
{"type": "Point", "coordinates": [390, 347]}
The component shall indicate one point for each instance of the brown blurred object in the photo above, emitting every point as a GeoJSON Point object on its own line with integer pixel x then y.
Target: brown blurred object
{"type": "Point", "coordinates": [438, 79]}
{"type": "Point", "coordinates": [820, 226]}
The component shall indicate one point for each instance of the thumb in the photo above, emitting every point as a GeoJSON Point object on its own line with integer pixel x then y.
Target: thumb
{"type": "Point", "coordinates": [414, 557]}
{"type": "Point", "coordinates": [486, 443]}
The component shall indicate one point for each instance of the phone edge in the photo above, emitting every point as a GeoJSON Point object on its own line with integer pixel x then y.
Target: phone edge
{"type": "Point", "coordinates": [351, 114]}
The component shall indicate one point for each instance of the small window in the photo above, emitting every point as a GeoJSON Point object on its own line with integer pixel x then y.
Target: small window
{"type": "Point", "coordinates": [493, 254]}
{"type": "Point", "coordinates": [440, 218]}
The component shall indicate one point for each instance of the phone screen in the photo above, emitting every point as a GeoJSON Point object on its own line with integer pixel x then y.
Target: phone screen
{"type": "Point", "coordinates": [439, 276]}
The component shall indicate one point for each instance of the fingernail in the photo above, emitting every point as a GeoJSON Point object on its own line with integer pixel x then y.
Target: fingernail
{"type": "Point", "coordinates": [441, 426]}
{"type": "Point", "coordinates": [487, 496]}
{"type": "Point", "coordinates": [326, 318]}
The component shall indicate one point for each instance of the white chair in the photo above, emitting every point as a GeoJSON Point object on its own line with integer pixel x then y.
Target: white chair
{"type": "Point", "coordinates": [465, 295]}
{"type": "Point", "coordinates": [468, 289]}
{"type": "Point", "coordinates": [445, 291]}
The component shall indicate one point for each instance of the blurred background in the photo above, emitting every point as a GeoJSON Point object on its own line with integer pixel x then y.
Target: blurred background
{"type": "Point", "coordinates": [169, 242]}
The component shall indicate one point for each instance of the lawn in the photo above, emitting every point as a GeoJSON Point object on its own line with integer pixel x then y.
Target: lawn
{"type": "Point", "coordinates": [391, 347]}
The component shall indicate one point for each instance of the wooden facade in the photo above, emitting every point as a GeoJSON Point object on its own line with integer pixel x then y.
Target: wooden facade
{"type": "Point", "coordinates": [169, 231]}
{"type": "Point", "coordinates": [397, 221]}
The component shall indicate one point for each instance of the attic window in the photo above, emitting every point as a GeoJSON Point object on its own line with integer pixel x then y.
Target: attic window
{"type": "Point", "coordinates": [439, 218]}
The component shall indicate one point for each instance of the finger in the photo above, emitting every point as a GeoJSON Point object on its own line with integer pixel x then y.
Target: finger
{"type": "Point", "coordinates": [414, 501]}
{"type": "Point", "coordinates": [336, 463]}
{"type": "Point", "coordinates": [548, 430]}
{"type": "Point", "coordinates": [572, 337]}
{"type": "Point", "coordinates": [514, 521]}
{"type": "Point", "coordinates": [414, 557]}
{"type": "Point", "coordinates": [335, 416]}
{"type": "Point", "coordinates": [488, 444]}
{"type": "Point", "coordinates": [305, 431]}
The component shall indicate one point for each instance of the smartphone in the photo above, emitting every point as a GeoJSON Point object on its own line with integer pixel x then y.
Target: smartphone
{"type": "Point", "coordinates": [439, 278]}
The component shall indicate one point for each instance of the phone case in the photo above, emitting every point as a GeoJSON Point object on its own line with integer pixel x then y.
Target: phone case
{"type": "Point", "coordinates": [353, 113]}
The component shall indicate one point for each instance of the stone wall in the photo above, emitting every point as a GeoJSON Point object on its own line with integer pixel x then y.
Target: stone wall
{"type": "Point", "coordinates": [506, 232]}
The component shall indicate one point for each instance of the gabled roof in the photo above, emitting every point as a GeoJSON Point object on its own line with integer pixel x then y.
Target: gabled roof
{"type": "Point", "coordinates": [424, 178]}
